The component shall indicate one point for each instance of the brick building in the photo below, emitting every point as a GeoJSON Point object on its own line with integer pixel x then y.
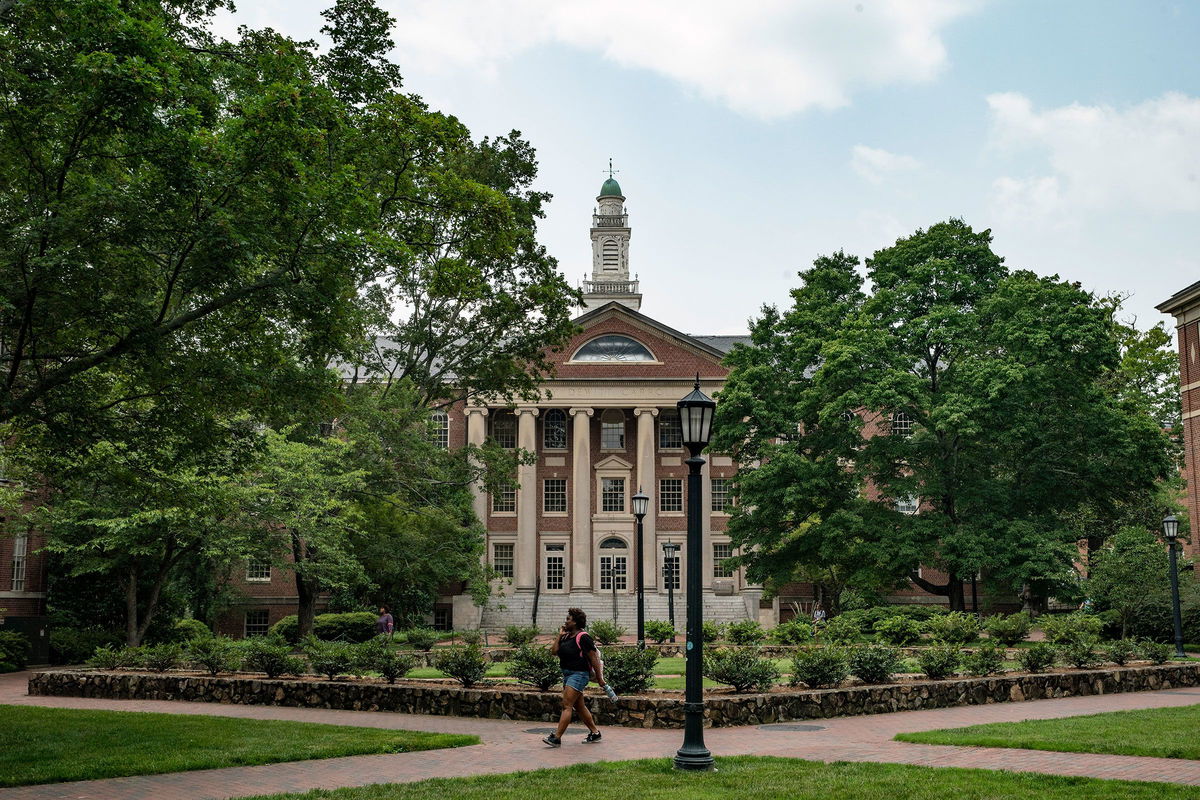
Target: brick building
{"type": "Point", "coordinates": [23, 577]}
{"type": "Point", "coordinates": [1185, 307]}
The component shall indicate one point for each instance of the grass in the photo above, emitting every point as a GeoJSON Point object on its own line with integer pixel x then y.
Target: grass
{"type": "Point", "coordinates": [49, 745]}
{"type": "Point", "coordinates": [761, 778]}
{"type": "Point", "coordinates": [1161, 732]}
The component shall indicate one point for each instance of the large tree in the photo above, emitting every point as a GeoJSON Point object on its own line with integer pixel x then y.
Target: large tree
{"type": "Point", "coordinates": [978, 397]}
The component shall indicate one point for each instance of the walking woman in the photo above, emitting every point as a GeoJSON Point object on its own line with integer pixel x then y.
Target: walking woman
{"type": "Point", "coordinates": [578, 657]}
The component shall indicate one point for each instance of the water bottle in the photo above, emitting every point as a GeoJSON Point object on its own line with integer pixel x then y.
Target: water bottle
{"type": "Point", "coordinates": [611, 692]}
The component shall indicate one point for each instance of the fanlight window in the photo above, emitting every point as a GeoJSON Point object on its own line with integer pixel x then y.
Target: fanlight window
{"type": "Point", "coordinates": [613, 347]}
{"type": "Point", "coordinates": [612, 543]}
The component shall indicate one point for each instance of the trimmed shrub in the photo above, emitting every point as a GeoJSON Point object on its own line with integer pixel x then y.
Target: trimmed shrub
{"type": "Point", "coordinates": [713, 631]}
{"type": "Point", "coordinates": [1038, 657]}
{"type": "Point", "coordinates": [745, 632]}
{"type": "Point", "coordinates": [331, 658]}
{"type": "Point", "coordinates": [742, 669]}
{"type": "Point", "coordinates": [873, 663]}
{"type": "Point", "coordinates": [76, 646]}
{"type": "Point", "coordinates": [842, 629]}
{"type": "Point", "coordinates": [14, 650]}
{"type": "Point", "coordinates": [214, 654]}
{"type": "Point", "coordinates": [184, 630]}
{"type": "Point", "coordinates": [517, 635]}
{"type": "Point", "coordinates": [162, 657]}
{"type": "Point", "coordinates": [1121, 652]}
{"type": "Point", "coordinates": [422, 638]}
{"type": "Point", "coordinates": [1156, 652]}
{"type": "Point", "coordinates": [378, 655]}
{"type": "Point", "coordinates": [472, 636]}
{"type": "Point", "coordinates": [287, 629]}
{"type": "Point", "coordinates": [464, 663]}
{"type": "Point", "coordinates": [986, 659]}
{"type": "Point", "coordinates": [659, 630]}
{"type": "Point", "coordinates": [1063, 628]}
{"type": "Point", "coordinates": [271, 655]}
{"type": "Point", "coordinates": [1081, 652]}
{"type": "Point", "coordinates": [356, 627]}
{"type": "Point", "coordinates": [792, 632]}
{"type": "Point", "coordinates": [1008, 629]}
{"type": "Point", "coordinates": [106, 657]}
{"type": "Point", "coordinates": [536, 666]}
{"type": "Point", "coordinates": [898, 630]}
{"type": "Point", "coordinates": [820, 667]}
{"type": "Point", "coordinates": [940, 661]}
{"type": "Point", "coordinates": [630, 670]}
{"type": "Point", "coordinates": [606, 632]}
{"type": "Point", "coordinates": [957, 627]}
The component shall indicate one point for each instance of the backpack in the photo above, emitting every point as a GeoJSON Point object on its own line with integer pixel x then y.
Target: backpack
{"type": "Point", "coordinates": [599, 655]}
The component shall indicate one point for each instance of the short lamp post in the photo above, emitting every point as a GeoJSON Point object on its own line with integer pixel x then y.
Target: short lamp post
{"type": "Point", "coordinates": [640, 505]}
{"type": "Point", "coordinates": [670, 553]}
{"type": "Point", "coordinates": [695, 417]}
{"type": "Point", "coordinates": [1171, 533]}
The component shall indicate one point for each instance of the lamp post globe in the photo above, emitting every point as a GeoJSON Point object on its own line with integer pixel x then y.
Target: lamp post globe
{"type": "Point", "coordinates": [1170, 527]}
{"type": "Point", "coordinates": [670, 551]}
{"type": "Point", "coordinates": [695, 418]}
{"type": "Point", "coordinates": [641, 504]}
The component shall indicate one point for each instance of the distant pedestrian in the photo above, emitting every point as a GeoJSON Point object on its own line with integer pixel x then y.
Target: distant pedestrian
{"type": "Point", "coordinates": [578, 658]}
{"type": "Point", "coordinates": [818, 616]}
{"type": "Point", "coordinates": [385, 625]}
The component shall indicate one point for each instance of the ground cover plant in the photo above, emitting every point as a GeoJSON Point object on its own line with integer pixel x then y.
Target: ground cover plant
{"type": "Point", "coordinates": [1158, 732]}
{"type": "Point", "coordinates": [49, 745]}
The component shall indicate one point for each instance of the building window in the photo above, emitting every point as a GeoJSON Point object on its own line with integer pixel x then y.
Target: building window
{"type": "Point", "coordinates": [502, 559]}
{"type": "Point", "coordinates": [613, 347]}
{"type": "Point", "coordinates": [671, 572]}
{"type": "Point", "coordinates": [556, 570]}
{"type": "Point", "coordinates": [554, 495]}
{"type": "Point", "coordinates": [612, 430]}
{"type": "Point", "coordinates": [441, 618]}
{"type": "Point", "coordinates": [439, 429]}
{"type": "Point", "coordinates": [554, 430]}
{"type": "Point", "coordinates": [720, 494]}
{"type": "Point", "coordinates": [20, 552]}
{"type": "Point", "coordinates": [258, 571]}
{"type": "Point", "coordinates": [256, 622]}
{"type": "Point", "coordinates": [613, 568]}
{"type": "Point", "coordinates": [670, 494]}
{"type": "Point", "coordinates": [505, 499]}
{"type": "Point", "coordinates": [612, 494]}
{"type": "Point", "coordinates": [670, 432]}
{"type": "Point", "coordinates": [908, 505]}
{"type": "Point", "coordinates": [720, 553]}
{"type": "Point", "coordinates": [504, 431]}
{"type": "Point", "coordinates": [902, 424]}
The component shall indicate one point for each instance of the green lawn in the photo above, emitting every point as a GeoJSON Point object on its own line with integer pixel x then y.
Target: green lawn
{"type": "Point", "coordinates": [48, 745]}
{"type": "Point", "coordinates": [759, 778]}
{"type": "Point", "coordinates": [1162, 732]}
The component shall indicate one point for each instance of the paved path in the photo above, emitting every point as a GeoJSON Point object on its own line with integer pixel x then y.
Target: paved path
{"type": "Point", "coordinates": [508, 747]}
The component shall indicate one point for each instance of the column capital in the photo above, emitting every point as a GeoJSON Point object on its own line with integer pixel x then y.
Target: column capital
{"type": "Point", "coordinates": [576, 411]}
{"type": "Point", "coordinates": [531, 410]}
{"type": "Point", "coordinates": [646, 410]}
{"type": "Point", "coordinates": [480, 410]}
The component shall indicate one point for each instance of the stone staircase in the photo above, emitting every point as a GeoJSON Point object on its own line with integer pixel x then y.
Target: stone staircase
{"type": "Point", "coordinates": [552, 609]}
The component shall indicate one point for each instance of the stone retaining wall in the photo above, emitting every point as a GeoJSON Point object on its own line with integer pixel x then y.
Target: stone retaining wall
{"type": "Point", "coordinates": [640, 712]}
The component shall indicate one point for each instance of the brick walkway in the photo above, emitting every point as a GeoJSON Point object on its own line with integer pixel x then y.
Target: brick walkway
{"type": "Point", "coordinates": [507, 747]}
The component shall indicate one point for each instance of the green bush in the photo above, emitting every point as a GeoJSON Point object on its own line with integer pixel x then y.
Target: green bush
{"type": "Point", "coordinates": [939, 661]}
{"type": "Point", "coordinates": [820, 667]}
{"type": "Point", "coordinates": [214, 654]}
{"type": "Point", "coordinates": [1009, 629]}
{"type": "Point", "coordinates": [379, 656]}
{"type": "Point", "coordinates": [1064, 628]}
{"type": "Point", "coordinates": [184, 630]}
{"type": "Point", "coordinates": [271, 655]}
{"type": "Point", "coordinates": [14, 650]}
{"type": "Point", "coordinates": [873, 663]}
{"type": "Point", "coordinates": [535, 665]}
{"type": "Point", "coordinates": [1156, 652]}
{"type": "Point", "coordinates": [422, 638]}
{"type": "Point", "coordinates": [898, 630]}
{"type": "Point", "coordinates": [745, 632]}
{"type": "Point", "coordinates": [659, 630]}
{"type": "Point", "coordinates": [75, 646]}
{"type": "Point", "coordinates": [1121, 651]}
{"type": "Point", "coordinates": [713, 631]}
{"type": "Point", "coordinates": [106, 657]}
{"type": "Point", "coordinates": [287, 629]}
{"type": "Point", "coordinates": [1081, 652]}
{"type": "Point", "coordinates": [986, 659]}
{"type": "Point", "coordinates": [606, 632]}
{"type": "Point", "coordinates": [162, 657]}
{"type": "Point", "coordinates": [793, 632]}
{"type": "Point", "coordinates": [742, 669]}
{"type": "Point", "coordinates": [1038, 657]}
{"type": "Point", "coordinates": [331, 658]}
{"type": "Point", "coordinates": [630, 670]}
{"type": "Point", "coordinates": [464, 663]}
{"type": "Point", "coordinates": [472, 636]}
{"type": "Point", "coordinates": [517, 635]}
{"type": "Point", "coordinates": [957, 627]}
{"type": "Point", "coordinates": [355, 626]}
{"type": "Point", "coordinates": [842, 629]}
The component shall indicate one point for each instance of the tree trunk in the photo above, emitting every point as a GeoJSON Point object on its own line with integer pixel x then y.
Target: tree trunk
{"type": "Point", "coordinates": [132, 639]}
{"type": "Point", "coordinates": [954, 590]}
{"type": "Point", "coordinates": [306, 590]}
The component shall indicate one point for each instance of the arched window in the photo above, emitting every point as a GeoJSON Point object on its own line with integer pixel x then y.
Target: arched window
{"type": "Point", "coordinates": [613, 347]}
{"type": "Point", "coordinates": [613, 543]}
{"type": "Point", "coordinates": [439, 429]}
{"type": "Point", "coordinates": [612, 429]}
{"type": "Point", "coordinates": [504, 430]}
{"type": "Point", "coordinates": [554, 430]}
{"type": "Point", "coordinates": [902, 424]}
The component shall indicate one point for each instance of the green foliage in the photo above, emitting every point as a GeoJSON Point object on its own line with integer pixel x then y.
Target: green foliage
{"type": "Point", "coordinates": [116, 657]}
{"type": "Point", "coordinates": [820, 667]}
{"type": "Point", "coordinates": [379, 656]}
{"type": "Point", "coordinates": [14, 649]}
{"type": "Point", "coordinates": [745, 632]}
{"type": "Point", "coordinates": [184, 630]}
{"type": "Point", "coordinates": [872, 663]}
{"type": "Point", "coordinates": [956, 627]}
{"type": "Point", "coordinates": [898, 630]}
{"type": "Point", "coordinates": [517, 635]}
{"type": "Point", "coordinates": [713, 631]}
{"type": "Point", "coordinates": [1062, 629]}
{"type": "Point", "coordinates": [606, 632]}
{"type": "Point", "coordinates": [162, 657]}
{"type": "Point", "coordinates": [986, 659]}
{"type": "Point", "coordinates": [536, 666]}
{"type": "Point", "coordinates": [1080, 652]}
{"type": "Point", "coordinates": [792, 632]}
{"type": "Point", "coordinates": [939, 661]}
{"type": "Point", "coordinates": [214, 654]}
{"type": "Point", "coordinates": [75, 646]}
{"type": "Point", "coordinates": [659, 630]}
{"type": "Point", "coordinates": [743, 669]}
{"type": "Point", "coordinates": [331, 658]}
{"type": "Point", "coordinates": [841, 629]}
{"type": "Point", "coordinates": [1121, 651]}
{"type": "Point", "coordinates": [465, 664]}
{"type": "Point", "coordinates": [1008, 629]}
{"type": "Point", "coordinates": [1038, 657]}
{"type": "Point", "coordinates": [629, 670]}
{"type": "Point", "coordinates": [1128, 574]}
{"type": "Point", "coordinates": [355, 627]}
{"type": "Point", "coordinates": [270, 655]}
{"type": "Point", "coordinates": [421, 638]}
{"type": "Point", "coordinates": [1155, 652]}
{"type": "Point", "coordinates": [471, 636]}
{"type": "Point", "coordinates": [287, 629]}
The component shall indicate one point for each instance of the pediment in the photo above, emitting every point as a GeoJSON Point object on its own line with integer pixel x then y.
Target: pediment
{"type": "Point", "coordinates": [613, 462]}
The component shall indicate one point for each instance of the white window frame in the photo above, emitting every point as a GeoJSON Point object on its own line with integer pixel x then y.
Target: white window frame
{"type": "Point", "coordinates": [554, 421]}
{"type": "Point", "coordinates": [504, 430]}
{"type": "Point", "coordinates": [908, 505]}
{"type": "Point", "coordinates": [505, 500]}
{"type": "Point", "coordinates": [719, 499]}
{"type": "Point", "coordinates": [608, 492]}
{"type": "Point", "coordinates": [677, 575]}
{"type": "Point", "coordinates": [554, 565]}
{"type": "Point", "coordinates": [901, 424]}
{"type": "Point", "coordinates": [439, 429]}
{"type": "Point", "coordinates": [560, 507]}
{"type": "Point", "coordinates": [255, 570]}
{"type": "Point", "coordinates": [664, 494]}
{"type": "Point", "coordinates": [504, 564]}
{"type": "Point", "coordinates": [265, 625]}
{"type": "Point", "coordinates": [670, 436]}
{"type": "Point", "coordinates": [721, 552]}
{"type": "Point", "coordinates": [609, 430]}
{"type": "Point", "coordinates": [20, 560]}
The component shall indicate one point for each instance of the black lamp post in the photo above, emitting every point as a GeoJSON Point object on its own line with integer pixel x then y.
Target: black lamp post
{"type": "Point", "coordinates": [695, 417]}
{"type": "Point", "coordinates": [640, 504]}
{"type": "Point", "coordinates": [1171, 532]}
{"type": "Point", "coordinates": [670, 549]}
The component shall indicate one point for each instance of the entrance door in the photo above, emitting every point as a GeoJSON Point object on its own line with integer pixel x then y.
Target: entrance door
{"type": "Point", "coordinates": [555, 567]}
{"type": "Point", "coordinates": [614, 565]}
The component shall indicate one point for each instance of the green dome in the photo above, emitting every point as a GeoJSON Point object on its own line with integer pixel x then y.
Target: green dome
{"type": "Point", "coordinates": [610, 189]}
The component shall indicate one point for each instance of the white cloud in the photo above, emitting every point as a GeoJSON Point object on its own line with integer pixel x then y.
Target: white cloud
{"type": "Point", "coordinates": [1142, 158]}
{"type": "Point", "coordinates": [762, 58]}
{"type": "Point", "coordinates": [874, 164]}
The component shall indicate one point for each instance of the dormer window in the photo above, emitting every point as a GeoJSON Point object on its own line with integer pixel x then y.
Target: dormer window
{"type": "Point", "coordinates": [613, 347]}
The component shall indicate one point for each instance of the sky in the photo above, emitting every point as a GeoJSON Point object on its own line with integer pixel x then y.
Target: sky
{"type": "Point", "coordinates": [752, 137]}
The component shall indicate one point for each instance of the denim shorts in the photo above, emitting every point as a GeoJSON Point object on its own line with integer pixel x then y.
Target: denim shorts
{"type": "Point", "coordinates": [576, 680]}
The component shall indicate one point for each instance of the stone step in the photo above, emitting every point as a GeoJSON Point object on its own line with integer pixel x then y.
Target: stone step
{"type": "Point", "coordinates": [518, 609]}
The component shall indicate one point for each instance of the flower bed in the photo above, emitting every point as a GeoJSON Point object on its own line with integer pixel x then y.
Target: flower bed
{"type": "Point", "coordinates": [654, 710]}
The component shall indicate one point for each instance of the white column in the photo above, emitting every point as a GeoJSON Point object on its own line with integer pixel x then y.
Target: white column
{"type": "Point", "coordinates": [646, 483]}
{"type": "Point", "coordinates": [581, 499]}
{"type": "Point", "coordinates": [525, 568]}
{"type": "Point", "coordinates": [476, 433]}
{"type": "Point", "coordinates": [706, 522]}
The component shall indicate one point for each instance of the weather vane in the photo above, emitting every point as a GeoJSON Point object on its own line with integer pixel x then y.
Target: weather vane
{"type": "Point", "coordinates": [611, 171]}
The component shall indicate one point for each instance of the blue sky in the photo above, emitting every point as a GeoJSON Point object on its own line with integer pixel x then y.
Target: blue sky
{"type": "Point", "coordinates": [752, 137]}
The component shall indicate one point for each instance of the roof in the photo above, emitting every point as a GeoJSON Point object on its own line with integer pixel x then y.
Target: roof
{"type": "Point", "coordinates": [1181, 299]}
{"type": "Point", "coordinates": [723, 343]}
{"type": "Point", "coordinates": [716, 346]}
{"type": "Point", "coordinates": [610, 189]}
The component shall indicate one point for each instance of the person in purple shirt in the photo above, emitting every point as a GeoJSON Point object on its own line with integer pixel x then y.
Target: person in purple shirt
{"type": "Point", "coordinates": [385, 625]}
